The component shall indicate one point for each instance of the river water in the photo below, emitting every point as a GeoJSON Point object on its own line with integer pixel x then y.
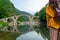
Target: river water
{"type": "Point", "coordinates": [33, 35]}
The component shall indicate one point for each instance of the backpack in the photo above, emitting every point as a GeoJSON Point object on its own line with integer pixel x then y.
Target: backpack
{"type": "Point", "coordinates": [57, 15]}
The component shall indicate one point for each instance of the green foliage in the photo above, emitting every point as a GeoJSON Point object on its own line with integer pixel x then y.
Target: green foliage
{"type": "Point", "coordinates": [44, 30]}
{"type": "Point", "coordinates": [42, 15]}
{"type": "Point", "coordinates": [43, 24]}
{"type": "Point", "coordinates": [6, 9]}
{"type": "Point", "coordinates": [3, 24]}
{"type": "Point", "coordinates": [23, 18]}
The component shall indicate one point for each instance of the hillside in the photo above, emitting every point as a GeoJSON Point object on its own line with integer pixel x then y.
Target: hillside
{"type": "Point", "coordinates": [7, 9]}
{"type": "Point", "coordinates": [22, 12]}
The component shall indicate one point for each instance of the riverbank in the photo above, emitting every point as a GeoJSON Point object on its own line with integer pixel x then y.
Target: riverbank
{"type": "Point", "coordinates": [8, 35]}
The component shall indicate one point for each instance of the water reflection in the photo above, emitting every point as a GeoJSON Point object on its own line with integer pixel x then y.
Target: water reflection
{"type": "Point", "coordinates": [30, 36]}
{"type": "Point", "coordinates": [24, 28]}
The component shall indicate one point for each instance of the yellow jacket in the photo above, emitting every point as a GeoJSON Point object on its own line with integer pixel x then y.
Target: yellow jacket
{"type": "Point", "coordinates": [49, 17]}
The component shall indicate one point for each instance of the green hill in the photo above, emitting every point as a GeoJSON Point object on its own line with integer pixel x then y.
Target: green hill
{"type": "Point", "coordinates": [22, 12]}
{"type": "Point", "coordinates": [7, 9]}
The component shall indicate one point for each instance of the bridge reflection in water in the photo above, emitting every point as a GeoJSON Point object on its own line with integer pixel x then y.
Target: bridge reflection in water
{"type": "Point", "coordinates": [13, 23]}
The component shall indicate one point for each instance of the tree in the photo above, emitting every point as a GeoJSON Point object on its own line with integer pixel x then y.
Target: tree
{"type": "Point", "coordinates": [43, 24]}
{"type": "Point", "coordinates": [7, 9]}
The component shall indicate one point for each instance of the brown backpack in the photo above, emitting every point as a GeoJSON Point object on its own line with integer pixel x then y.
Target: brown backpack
{"type": "Point", "coordinates": [57, 15]}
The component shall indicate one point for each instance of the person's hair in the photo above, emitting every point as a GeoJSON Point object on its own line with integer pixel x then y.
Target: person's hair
{"type": "Point", "coordinates": [53, 4]}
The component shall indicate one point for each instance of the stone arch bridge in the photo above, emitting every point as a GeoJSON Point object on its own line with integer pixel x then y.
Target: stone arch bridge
{"type": "Point", "coordinates": [13, 23]}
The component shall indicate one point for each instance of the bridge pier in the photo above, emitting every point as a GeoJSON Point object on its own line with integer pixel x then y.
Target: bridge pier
{"type": "Point", "coordinates": [15, 28]}
{"type": "Point", "coordinates": [31, 26]}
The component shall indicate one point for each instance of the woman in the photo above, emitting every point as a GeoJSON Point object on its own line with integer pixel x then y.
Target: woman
{"type": "Point", "coordinates": [51, 10]}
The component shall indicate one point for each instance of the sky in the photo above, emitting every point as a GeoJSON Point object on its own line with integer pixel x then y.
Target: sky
{"type": "Point", "coordinates": [30, 6]}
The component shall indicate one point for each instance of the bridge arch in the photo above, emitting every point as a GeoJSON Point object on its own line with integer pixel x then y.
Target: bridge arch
{"type": "Point", "coordinates": [28, 16]}
{"type": "Point", "coordinates": [23, 19]}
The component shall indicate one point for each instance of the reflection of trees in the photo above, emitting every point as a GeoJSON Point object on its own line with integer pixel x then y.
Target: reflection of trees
{"type": "Point", "coordinates": [43, 25]}
{"type": "Point", "coordinates": [23, 28]}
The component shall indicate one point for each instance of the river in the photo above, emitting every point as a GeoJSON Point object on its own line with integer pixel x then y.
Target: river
{"type": "Point", "coordinates": [33, 35]}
